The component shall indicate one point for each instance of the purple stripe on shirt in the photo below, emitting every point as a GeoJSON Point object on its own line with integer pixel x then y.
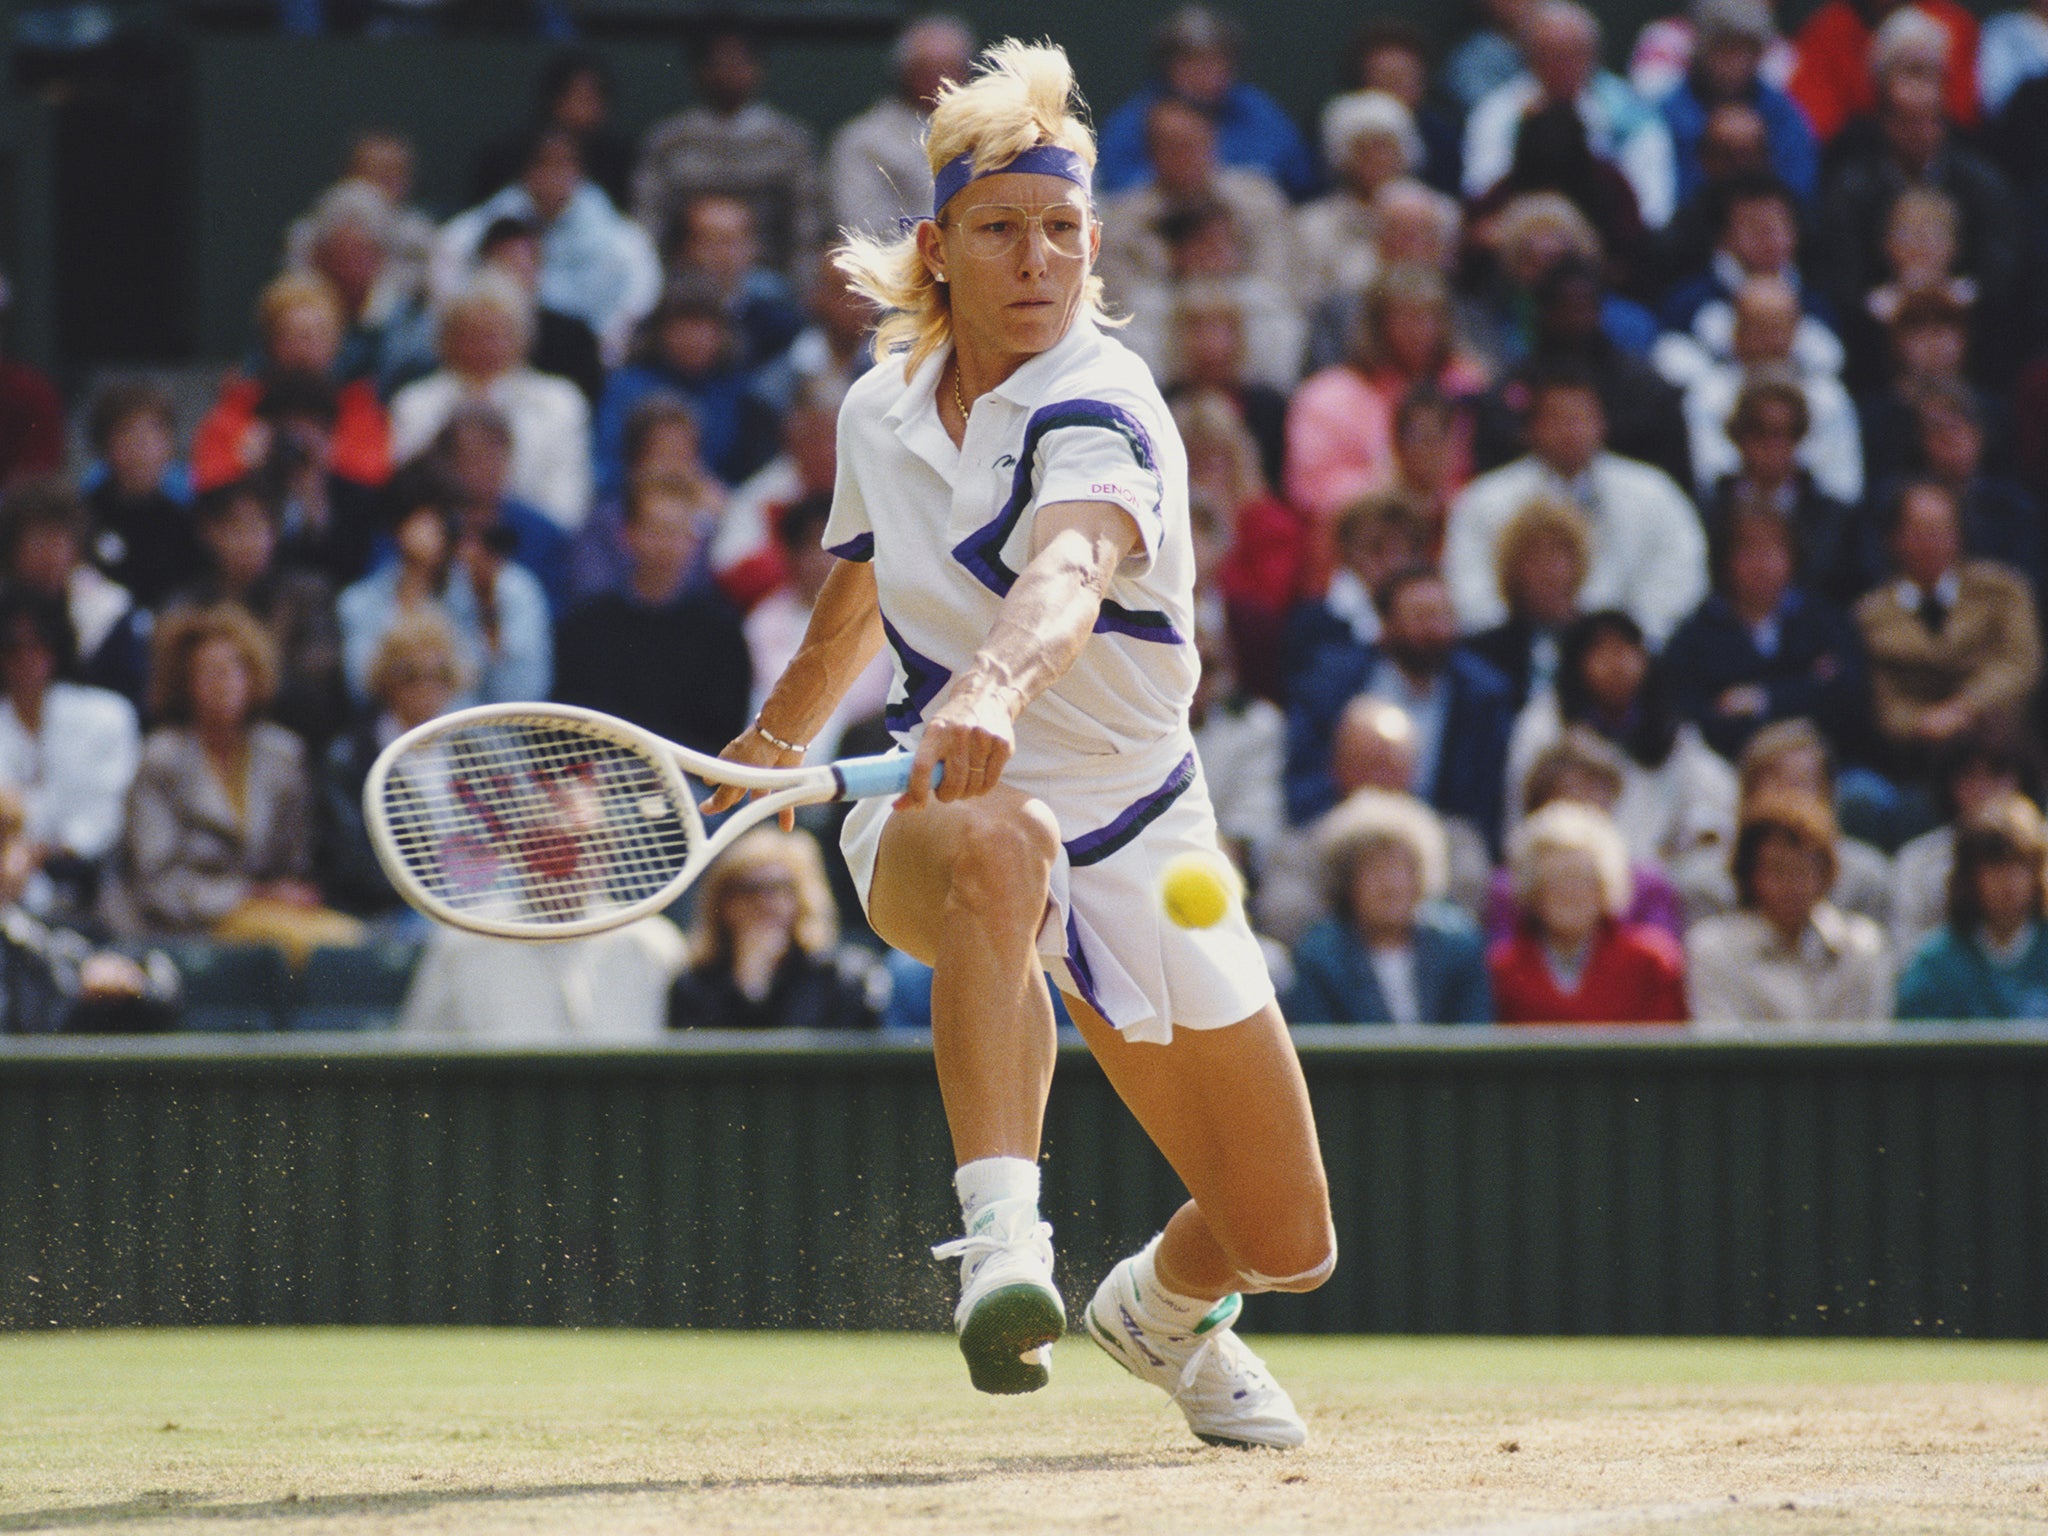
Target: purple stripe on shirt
{"type": "Point", "coordinates": [1139, 624]}
{"type": "Point", "coordinates": [981, 550]}
{"type": "Point", "coordinates": [922, 680]}
{"type": "Point", "coordinates": [860, 547]}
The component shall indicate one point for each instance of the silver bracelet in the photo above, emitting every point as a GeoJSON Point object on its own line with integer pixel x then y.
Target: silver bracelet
{"type": "Point", "coordinates": [777, 742]}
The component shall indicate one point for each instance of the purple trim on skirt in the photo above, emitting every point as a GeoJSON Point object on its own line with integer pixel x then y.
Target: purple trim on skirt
{"type": "Point", "coordinates": [1094, 847]}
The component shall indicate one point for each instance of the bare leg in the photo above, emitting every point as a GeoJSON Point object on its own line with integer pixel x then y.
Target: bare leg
{"type": "Point", "coordinates": [962, 887]}
{"type": "Point", "coordinates": [1230, 1111]}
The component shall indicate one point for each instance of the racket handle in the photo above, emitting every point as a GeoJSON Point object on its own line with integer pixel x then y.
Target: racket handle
{"type": "Point", "coordinates": [886, 774]}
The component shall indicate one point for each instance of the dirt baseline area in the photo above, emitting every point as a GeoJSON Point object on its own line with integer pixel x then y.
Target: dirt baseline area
{"type": "Point", "coordinates": [462, 1431]}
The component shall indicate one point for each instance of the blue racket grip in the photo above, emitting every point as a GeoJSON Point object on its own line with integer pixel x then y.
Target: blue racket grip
{"type": "Point", "coordinates": [887, 774]}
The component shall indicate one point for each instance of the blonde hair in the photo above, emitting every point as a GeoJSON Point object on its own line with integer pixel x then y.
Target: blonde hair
{"type": "Point", "coordinates": [178, 639]}
{"type": "Point", "coordinates": [794, 853]}
{"type": "Point", "coordinates": [1371, 819]}
{"type": "Point", "coordinates": [1565, 826]}
{"type": "Point", "coordinates": [1541, 518]}
{"type": "Point", "coordinates": [1534, 214]}
{"type": "Point", "coordinates": [488, 293]}
{"type": "Point", "coordinates": [1365, 114]}
{"type": "Point", "coordinates": [297, 290]}
{"type": "Point", "coordinates": [416, 641]}
{"type": "Point", "coordinates": [1209, 419]}
{"type": "Point", "coordinates": [1022, 95]}
{"type": "Point", "coordinates": [1408, 283]}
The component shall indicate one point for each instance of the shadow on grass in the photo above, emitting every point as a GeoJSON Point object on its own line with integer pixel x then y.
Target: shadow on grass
{"type": "Point", "coordinates": [182, 1506]}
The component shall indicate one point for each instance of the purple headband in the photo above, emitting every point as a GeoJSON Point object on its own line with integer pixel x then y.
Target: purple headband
{"type": "Point", "coordinates": [1039, 160]}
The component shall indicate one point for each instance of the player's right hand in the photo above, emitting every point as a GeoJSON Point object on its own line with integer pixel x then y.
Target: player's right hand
{"type": "Point", "coordinates": [749, 748]}
{"type": "Point", "coordinates": [970, 734]}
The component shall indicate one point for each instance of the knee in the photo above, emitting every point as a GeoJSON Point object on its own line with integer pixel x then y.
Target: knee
{"type": "Point", "coordinates": [1307, 1278]}
{"type": "Point", "coordinates": [1005, 858]}
{"type": "Point", "coordinates": [1297, 1252]}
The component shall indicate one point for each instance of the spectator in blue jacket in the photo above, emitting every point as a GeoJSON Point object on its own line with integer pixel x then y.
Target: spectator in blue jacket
{"type": "Point", "coordinates": [690, 349]}
{"type": "Point", "coordinates": [1461, 708]}
{"type": "Point", "coordinates": [473, 454]}
{"type": "Point", "coordinates": [1756, 228]}
{"type": "Point", "coordinates": [1768, 424]}
{"type": "Point", "coordinates": [1197, 51]}
{"type": "Point", "coordinates": [1760, 649]}
{"type": "Point", "coordinates": [715, 240]}
{"type": "Point", "coordinates": [1393, 952]}
{"type": "Point", "coordinates": [1991, 960]}
{"type": "Point", "coordinates": [1732, 36]}
{"type": "Point", "coordinates": [1392, 55]}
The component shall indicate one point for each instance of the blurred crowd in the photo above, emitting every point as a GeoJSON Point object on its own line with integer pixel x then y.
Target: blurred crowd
{"type": "Point", "coordinates": [1618, 500]}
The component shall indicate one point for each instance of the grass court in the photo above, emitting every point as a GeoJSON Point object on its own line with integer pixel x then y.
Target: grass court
{"type": "Point", "coordinates": [459, 1431]}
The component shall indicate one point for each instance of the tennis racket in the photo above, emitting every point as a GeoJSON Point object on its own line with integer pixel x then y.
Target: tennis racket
{"type": "Point", "coordinates": [544, 821]}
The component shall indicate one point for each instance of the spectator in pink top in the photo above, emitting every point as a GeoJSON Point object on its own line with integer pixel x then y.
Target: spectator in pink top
{"type": "Point", "coordinates": [1340, 426]}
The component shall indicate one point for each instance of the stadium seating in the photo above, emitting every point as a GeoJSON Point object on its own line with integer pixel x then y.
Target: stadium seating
{"type": "Point", "coordinates": [232, 988]}
{"type": "Point", "coordinates": [354, 989]}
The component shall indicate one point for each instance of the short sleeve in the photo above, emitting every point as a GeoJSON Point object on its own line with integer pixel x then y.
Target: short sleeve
{"type": "Point", "coordinates": [848, 533]}
{"type": "Point", "coordinates": [1092, 450]}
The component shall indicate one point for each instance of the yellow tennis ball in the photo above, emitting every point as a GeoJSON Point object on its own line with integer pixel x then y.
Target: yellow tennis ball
{"type": "Point", "coordinates": [1195, 889]}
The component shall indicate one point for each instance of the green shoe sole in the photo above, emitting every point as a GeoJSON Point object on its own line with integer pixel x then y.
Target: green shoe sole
{"type": "Point", "coordinates": [1008, 1325]}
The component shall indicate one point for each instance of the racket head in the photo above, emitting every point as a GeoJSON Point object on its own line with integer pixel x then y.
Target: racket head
{"type": "Point", "coordinates": [534, 821]}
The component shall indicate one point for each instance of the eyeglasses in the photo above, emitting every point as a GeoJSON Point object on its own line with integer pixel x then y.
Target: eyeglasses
{"type": "Point", "coordinates": [992, 230]}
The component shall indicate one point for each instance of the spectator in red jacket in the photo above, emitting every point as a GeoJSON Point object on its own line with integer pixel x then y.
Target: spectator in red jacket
{"type": "Point", "coordinates": [1269, 555]}
{"type": "Point", "coordinates": [1572, 959]}
{"type": "Point", "coordinates": [302, 327]}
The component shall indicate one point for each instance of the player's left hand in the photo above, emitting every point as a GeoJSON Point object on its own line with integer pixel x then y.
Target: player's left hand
{"type": "Point", "coordinates": [973, 737]}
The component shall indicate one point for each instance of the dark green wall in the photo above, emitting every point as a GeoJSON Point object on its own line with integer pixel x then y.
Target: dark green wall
{"type": "Point", "coordinates": [1483, 1183]}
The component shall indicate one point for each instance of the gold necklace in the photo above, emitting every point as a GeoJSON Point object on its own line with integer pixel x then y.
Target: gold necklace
{"type": "Point", "coordinates": [959, 399]}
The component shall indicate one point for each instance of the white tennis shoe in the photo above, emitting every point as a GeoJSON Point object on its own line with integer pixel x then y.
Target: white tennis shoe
{"type": "Point", "coordinates": [1010, 1311]}
{"type": "Point", "coordinates": [1226, 1392]}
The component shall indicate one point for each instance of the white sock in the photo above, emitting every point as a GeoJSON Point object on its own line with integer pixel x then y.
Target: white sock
{"type": "Point", "coordinates": [989, 1181]}
{"type": "Point", "coordinates": [1179, 1313]}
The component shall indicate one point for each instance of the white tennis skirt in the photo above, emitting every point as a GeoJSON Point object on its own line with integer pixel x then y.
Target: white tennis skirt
{"type": "Point", "coordinates": [1106, 938]}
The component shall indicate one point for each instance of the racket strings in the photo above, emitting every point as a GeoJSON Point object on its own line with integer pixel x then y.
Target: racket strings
{"type": "Point", "coordinates": [533, 823]}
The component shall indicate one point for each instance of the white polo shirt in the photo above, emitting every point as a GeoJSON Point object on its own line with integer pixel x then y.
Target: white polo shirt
{"type": "Point", "coordinates": [1107, 747]}
{"type": "Point", "coordinates": [948, 529]}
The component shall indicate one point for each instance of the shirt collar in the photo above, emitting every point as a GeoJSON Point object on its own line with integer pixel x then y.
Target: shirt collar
{"type": "Point", "coordinates": [1583, 488]}
{"type": "Point", "coordinates": [1824, 937]}
{"type": "Point", "coordinates": [1909, 592]}
{"type": "Point", "coordinates": [915, 416]}
{"type": "Point", "coordinates": [1026, 387]}
{"type": "Point", "coordinates": [1728, 272]}
{"type": "Point", "coordinates": [1390, 681]}
{"type": "Point", "coordinates": [1347, 598]}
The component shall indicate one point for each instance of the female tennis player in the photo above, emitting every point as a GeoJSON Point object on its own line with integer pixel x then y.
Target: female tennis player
{"type": "Point", "coordinates": [1011, 520]}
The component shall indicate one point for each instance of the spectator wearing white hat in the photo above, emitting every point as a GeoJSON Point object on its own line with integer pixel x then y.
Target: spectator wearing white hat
{"type": "Point", "coordinates": [1369, 141]}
